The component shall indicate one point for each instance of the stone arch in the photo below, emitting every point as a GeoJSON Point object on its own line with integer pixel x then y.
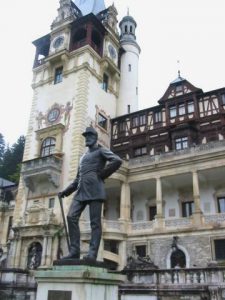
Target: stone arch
{"type": "Point", "coordinates": [187, 257]}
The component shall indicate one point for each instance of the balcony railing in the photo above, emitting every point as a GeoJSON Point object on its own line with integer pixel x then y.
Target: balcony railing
{"type": "Point", "coordinates": [142, 225]}
{"type": "Point", "coordinates": [47, 168]}
{"type": "Point", "coordinates": [192, 276]}
{"type": "Point", "coordinates": [216, 218]}
{"type": "Point", "coordinates": [181, 222]}
{"type": "Point", "coordinates": [209, 147]}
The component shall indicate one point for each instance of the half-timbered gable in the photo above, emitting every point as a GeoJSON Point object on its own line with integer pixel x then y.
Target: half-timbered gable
{"type": "Point", "coordinates": [185, 117]}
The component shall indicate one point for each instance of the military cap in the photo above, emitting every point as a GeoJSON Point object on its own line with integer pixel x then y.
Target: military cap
{"type": "Point", "coordinates": [90, 130]}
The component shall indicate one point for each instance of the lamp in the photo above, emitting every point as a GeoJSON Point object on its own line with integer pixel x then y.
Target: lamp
{"type": "Point", "coordinates": [174, 244]}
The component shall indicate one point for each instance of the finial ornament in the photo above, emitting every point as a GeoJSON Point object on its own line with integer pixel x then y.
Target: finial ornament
{"type": "Point", "coordinates": [178, 63]}
{"type": "Point", "coordinates": [128, 11]}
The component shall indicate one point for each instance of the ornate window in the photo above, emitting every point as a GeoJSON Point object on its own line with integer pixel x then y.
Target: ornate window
{"type": "Point", "coordinates": [152, 213]}
{"type": "Point", "coordinates": [181, 143]}
{"type": "Point", "coordinates": [178, 259]}
{"type": "Point", "coordinates": [173, 111]}
{"type": "Point", "coordinates": [141, 250]}
{"type": "Point", "coordinates": [219, 249]}
{"type": "Point", "coordinates": [51, 203]}
{"type": "Point", "coordinates": [181, 109]}
{"type": "Point", "coordinates": [190, 107]}
{"type": "Point", "coordinates": [221, 204]}
{"type": "Point", "coordinates": [102, 121]}
{"type": "Point", "coordinates": [58, 75]}
{"type": "Point", "coordinates": [135, 122]}
{"type": "Point", "coordinates": [48, 146]}
{"type": "Point", "coordinates": [158, 117]}
{"type": "Point", "coordinates": [122, 126]}
{"type": "Point", "coordinates": [140, 151]}
{"type": "Point", "coordinates": [105, 82]}
{"type": "Point", "coordinates": [187, 209]}
{"type": "Point", "coordinates": [142, 120]}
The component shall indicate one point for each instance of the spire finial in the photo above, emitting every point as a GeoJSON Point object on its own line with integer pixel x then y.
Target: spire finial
{"type": "Point", "coordinates": [178, 64]}
{"type": "Point", "coordinates": [128, 11]}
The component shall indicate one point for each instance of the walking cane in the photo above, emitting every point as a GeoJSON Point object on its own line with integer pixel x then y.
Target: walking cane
{"type": "Point", "coordinates": [64, 222]}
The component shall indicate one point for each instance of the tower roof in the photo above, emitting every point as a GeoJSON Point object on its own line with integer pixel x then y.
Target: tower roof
{"type": "Point", "coordinates": [178, 87]}
{"type": "Point", "coordinates": [90, 6]}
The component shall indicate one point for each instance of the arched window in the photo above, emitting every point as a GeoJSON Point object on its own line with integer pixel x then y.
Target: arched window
{"type": "Point", "coordinates": [178, 259]}
{"type": "Point", "coordinates": [131, 29]}
{"type": "Point", "coordinates": [48, 146]}
{"type": "Point", "coordinates": [34, 256]}
{"type": "Point", "coordinates": [125, 28]}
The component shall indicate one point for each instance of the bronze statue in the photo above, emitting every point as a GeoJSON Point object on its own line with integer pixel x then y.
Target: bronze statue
{"type": "Point", "coordinates": [95, 166]}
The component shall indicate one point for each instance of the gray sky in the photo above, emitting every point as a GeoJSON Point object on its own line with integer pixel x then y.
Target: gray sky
{"type": "Point", "coordinates": [191, 31]}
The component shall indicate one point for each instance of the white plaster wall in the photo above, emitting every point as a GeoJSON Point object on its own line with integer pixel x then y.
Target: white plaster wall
{"type": "Point", "coordinates": [208, 205]}
{"type": "Point", "coordinates": [171, 202]}
{"type": "Point", "coordinates": [139, 203]}
{"type": "Point", "coordinates": [106, 101]}
{"type": "Point", "coordinates": [129, 80]}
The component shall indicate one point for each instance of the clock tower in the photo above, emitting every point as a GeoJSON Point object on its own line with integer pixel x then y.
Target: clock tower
{"type": "Point", "coordinates": [76, 83]}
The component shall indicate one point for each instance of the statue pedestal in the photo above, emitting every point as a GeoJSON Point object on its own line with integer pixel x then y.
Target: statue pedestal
{"type": "Point", "coordinates": [77, 280]}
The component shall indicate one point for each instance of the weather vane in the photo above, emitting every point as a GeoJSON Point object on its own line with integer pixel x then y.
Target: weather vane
{"type": "Point", "coordinates": [178, 66]}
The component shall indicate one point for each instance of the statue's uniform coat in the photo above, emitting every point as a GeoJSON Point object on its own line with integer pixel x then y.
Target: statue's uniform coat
{"type": "Point", "coordinates": [95, 165]}
{"type": "Point", "coordinates": [88, 183]}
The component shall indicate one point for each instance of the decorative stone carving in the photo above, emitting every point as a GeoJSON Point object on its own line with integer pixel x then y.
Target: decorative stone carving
{"type": "Point", "coordinates": [139, 263]}
{"type": "Point", "coordinates": [34, 256]}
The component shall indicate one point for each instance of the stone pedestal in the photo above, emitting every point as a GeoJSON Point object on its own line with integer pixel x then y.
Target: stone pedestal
{"type": "Point", "coordinates": [77, 281]}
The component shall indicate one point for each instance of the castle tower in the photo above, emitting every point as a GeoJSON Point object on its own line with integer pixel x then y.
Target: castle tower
{"type": "Point", "coordinates": [75, 84]}
{"type": "Point", "coordinates": [128, 95]}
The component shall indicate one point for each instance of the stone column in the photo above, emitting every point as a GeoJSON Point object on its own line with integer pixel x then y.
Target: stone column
{"type": "Point", "coordinates": [49, 251]}
{"type": "Point", "coordinates": [196, 196]}
{"type": "Point", "coordinates": [18, 252]}
{"type": "Point", "coordinates": [159, 221]}
{"type": "Point", "coordinates": [44, 250]}
{"type": "Point", "coordinates": [122, 254]}
{"type": "Point", "coordinates": [125, 203]}
{"type": "Point", "coordinates": [159, 199]}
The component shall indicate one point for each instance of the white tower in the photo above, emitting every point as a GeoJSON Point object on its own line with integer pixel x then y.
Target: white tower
{"type": "Point", "coordinates": [128, 95]}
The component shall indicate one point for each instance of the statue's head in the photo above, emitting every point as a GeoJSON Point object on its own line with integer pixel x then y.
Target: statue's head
{"type": "Point", "coordinates": [91, 136]}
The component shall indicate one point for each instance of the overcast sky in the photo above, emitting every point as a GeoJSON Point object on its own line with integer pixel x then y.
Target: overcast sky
{"type": "Point", "coordinates": [191, 31]}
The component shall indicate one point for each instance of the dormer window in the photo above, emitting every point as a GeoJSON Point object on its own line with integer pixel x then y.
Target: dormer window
{"type": "Point", "coordinates": [179, 88]}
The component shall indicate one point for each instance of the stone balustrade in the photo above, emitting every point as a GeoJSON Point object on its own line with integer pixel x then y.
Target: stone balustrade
{"type": "Point", "coordinates": [192, 151]}
{"type": "Point", "coordinates": [215, 218]}
{"type": "Point", "coordinates": [198, 276]}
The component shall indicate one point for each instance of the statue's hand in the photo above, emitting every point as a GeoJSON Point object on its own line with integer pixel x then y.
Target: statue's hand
{"type": "Point", "coordinates": [61, 194]}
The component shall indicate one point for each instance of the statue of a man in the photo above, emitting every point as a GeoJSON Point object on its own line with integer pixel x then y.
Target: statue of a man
{"type": "Point", "coordinates": [95, 166]}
